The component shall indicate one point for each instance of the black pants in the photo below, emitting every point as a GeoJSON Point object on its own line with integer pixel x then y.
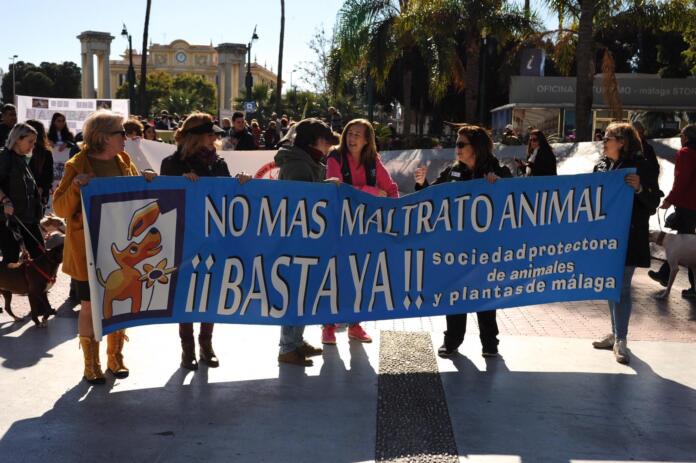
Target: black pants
{"type": "Point", "coordinates": [686, 223]}
{"type": "Point", "coordinates": [186, 331]}
{"type": "Point", "coordinates": [10, 246]}
{"type": "Point", "coordinates": [488, 330]}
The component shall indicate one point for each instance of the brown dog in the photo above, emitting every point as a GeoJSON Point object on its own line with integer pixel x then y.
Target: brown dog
{"type": "Point", "coordinates": [33, 279]}
{"type": "Point", "coordinates": [124, 282]}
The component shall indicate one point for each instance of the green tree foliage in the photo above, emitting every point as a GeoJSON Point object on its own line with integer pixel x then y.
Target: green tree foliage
{"type": "Point", "coordinates": [56, 80]}
{"type": "Point", "coordinates": [179, 94]}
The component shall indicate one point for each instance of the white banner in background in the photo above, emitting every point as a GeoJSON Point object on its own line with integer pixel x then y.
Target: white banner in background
{"type": "Point", "coordinates": [75, 110]}
{"type": "Point", "coordinates": [147, 154]}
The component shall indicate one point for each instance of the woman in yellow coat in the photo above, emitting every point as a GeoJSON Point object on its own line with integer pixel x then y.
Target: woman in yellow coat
{"type": "Point", "coordinates": [102, 155]}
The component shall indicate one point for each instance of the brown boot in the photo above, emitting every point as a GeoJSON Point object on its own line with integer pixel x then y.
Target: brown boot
{"type": "Point", "coordinates": [114, 355]}
{"type": "Point", "coordinates": [206, 352]}
{"type": "Point", "coordinates": [90, 349]}
{"type": "Point", "coordinates": [188, 355]}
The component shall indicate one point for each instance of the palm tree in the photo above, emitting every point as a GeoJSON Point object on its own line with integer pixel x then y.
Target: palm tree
{"type": "Point", "coordinates": [279, 81]}
{"type": "Point", "coordinates": [586, 70]}
{"type": "Point", "coordinates": [144, 110]}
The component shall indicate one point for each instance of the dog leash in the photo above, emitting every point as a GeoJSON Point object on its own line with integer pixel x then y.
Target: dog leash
{"type": "Point", "coordinates": [41, 272]}
{"type": "Point", "coordinates": [41, 246]}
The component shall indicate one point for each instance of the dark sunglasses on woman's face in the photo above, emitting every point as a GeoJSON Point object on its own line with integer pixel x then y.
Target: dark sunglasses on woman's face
{"type": "Point", "coordinates": [121, 132]}
{"type": "Point", "coordinates": [462, 144]}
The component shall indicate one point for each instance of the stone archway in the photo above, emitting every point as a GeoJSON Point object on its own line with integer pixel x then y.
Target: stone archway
{"type": "Point", "coordinates": [96, 43]}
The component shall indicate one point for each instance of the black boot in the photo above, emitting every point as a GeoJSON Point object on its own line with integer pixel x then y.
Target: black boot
{"type": "Point", "coordinates": [188, 355]}
{"type": "Point", "coordinates": [207, 354]}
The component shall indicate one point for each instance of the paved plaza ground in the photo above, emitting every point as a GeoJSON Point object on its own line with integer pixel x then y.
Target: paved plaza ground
{"type": "Point", "coordinates": [550, 397]}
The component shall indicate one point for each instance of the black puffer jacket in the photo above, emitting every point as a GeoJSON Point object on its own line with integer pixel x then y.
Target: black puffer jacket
{"type": "Point", "coordinates": [174, 165]}
{"type": "Point", "coordinates": [458, 172]}
{"type": "Point", "coordinates": [644, 205]}
{"type": "Point", "coordinates": [18, 183]}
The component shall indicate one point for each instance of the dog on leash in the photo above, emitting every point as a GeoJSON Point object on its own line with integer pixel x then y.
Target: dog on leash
{"type": "Point", "coordinates": [34, 279]}
{"type": "Point", "coordinates": [680, 250]}
{"type": "Point", "coordinates": [125, 282]}
{"type": "Point", "coordinates": [51, 223]}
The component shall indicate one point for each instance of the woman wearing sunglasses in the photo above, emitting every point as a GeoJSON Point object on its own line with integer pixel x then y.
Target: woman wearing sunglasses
{"type": "Point", "coordinates": [622, 150]}
{"type": "Point", "coordinates": [540, 158]}
{"type": "Point", "coordinates": [102, 155]}
{"type": "Point", "coordinates": [475, 159]}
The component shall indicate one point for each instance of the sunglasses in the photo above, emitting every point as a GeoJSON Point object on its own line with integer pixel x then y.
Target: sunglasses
{"type": "Point", "coordinates": [606, 139]}
{"type": "Point", "coordinates": [461, 144]}
{"type": "Point", "coordinates": [117, 132]}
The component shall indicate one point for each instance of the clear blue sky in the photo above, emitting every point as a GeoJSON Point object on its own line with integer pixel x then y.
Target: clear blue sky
{"type": "Point", "coordinates": [46, 30]}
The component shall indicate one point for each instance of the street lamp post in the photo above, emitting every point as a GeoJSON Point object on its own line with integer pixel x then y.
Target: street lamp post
{"type": "Point", "coordinates": [249, 80]}
{"type": "Point", "coordinates": [131, 69]}
{"type": "Point", "coordinates": [14, 73]}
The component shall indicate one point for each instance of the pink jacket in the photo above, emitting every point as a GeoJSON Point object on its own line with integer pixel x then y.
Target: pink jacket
{"type": "Point", "coordinates": [357, 172]}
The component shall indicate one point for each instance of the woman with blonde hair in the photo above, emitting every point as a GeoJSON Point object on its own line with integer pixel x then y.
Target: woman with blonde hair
{"type": "Point", "coordinates": [196, 156]}
{"type": "Point", "coordinates": [622, 149]}
{"type": "Point", "coordinates": [357, 163]}
{"type": "Point", "coordinates": [102, 155]}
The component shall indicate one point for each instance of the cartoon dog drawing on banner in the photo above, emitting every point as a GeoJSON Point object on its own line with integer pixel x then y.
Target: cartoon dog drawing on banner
{"type": "Point", "coordinates": [126, 282]}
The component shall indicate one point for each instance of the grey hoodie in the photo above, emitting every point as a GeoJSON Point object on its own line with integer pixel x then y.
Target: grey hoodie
{"type": "Point", "coordinates": [297, 164]}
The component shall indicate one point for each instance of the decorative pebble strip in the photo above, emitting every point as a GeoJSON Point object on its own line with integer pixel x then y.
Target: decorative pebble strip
{"type": "Point", "coordinates": [413, 423]}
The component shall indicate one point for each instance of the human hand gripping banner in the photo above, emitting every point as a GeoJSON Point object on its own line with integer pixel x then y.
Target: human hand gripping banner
{"type": "Point", "coordinates": [295, 253]}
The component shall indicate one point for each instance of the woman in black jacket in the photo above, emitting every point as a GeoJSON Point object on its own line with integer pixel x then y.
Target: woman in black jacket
{"type": "Point", "coordinates": [19, 194]}
{"type": "Point", "coordinates": [540, 158]}
{"type": "Point", "coordinates": [622, 149]}
{"type": "Point", "coordinates": [475, 159]}
{"type": "Point", "coordinates": [41, 163]}
{"type": "Point", "coordinates": [195, 157]}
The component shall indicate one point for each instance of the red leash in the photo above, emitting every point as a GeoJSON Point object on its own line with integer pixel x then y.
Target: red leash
{"type": "Point", "coordinates": [41, 272]}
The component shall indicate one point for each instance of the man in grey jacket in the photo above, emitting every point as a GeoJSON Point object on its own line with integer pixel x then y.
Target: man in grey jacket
{"type": "Point", "coordinates": [303, 159]}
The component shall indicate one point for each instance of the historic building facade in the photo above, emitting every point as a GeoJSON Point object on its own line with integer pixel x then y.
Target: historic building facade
{"type": "Point", "coordinates": [224, 66]}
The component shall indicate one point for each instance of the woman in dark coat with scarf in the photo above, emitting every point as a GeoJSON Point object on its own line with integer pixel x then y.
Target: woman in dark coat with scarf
{"type": "Point", "coordinates": [475, 159]}
{"type": "Point", "coordinates": [196, 156]}
{"type": "Point", "coordinates": [622, 149]}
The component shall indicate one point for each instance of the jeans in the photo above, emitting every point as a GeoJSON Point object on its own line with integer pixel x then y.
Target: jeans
{"type": "Point", "coordinates": [291, 338]}
{"type": "Point", "coordinates": [620, 311]}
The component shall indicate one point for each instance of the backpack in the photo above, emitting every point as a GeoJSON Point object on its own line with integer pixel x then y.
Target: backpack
{"type": "Point", "coordinates": [370, 169]}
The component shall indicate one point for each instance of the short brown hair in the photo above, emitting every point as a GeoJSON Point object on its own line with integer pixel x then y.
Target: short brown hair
{"type": "Point", "coordinates": [627, 133]}
{"type": "Point", "coordinates": [98, 127]}
{"type": "Point", "coordinates": [309, 131]}
{"type": "Point", "coordinates": [133, 125]}
{"type": "Point", "coordinates": [188, 143]}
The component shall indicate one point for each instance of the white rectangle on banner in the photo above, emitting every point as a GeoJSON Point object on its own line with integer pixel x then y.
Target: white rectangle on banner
{"type": "Point", "coordinates": [75, 110]}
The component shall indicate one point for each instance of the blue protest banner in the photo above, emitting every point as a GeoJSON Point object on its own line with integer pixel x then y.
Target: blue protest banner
{"type": "Point", "coordinates": [274, 252]}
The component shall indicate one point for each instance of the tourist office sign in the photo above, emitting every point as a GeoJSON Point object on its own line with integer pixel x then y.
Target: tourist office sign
{"type": "Point", "coordinates": [297, 253]}
{"type": "Point", "coordinates": [638, 92]}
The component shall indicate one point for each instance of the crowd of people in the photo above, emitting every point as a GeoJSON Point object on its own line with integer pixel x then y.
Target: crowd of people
{"type": "Point", "coordinates": [314, 152]}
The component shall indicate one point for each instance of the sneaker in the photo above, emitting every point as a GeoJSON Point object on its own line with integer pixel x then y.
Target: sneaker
{"type": "Point", "coordinates": [309, 350]}
{"type": "Point", "coordinates": [445, 351]}
{"type": "Point", "coordinates": [295, 357]}
{"type": "Point", "coordinates": [607, 342]}
{"type": "Point", "coordinates": [621, 351]}
{"type": "Point", "coordinates": [328, 334]}
{"type": "Point", "coordinates": [657, 276]}
{"type": "Point", "coordinates": [358, 333]}
{"type": "Point", "coordinates": [689, 293]}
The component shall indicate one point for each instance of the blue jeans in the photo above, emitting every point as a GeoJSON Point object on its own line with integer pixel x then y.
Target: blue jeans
{"type": "Point", "coordinates": [291, 338]}
{"type": "Point", "coordinates": [620, 311]}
